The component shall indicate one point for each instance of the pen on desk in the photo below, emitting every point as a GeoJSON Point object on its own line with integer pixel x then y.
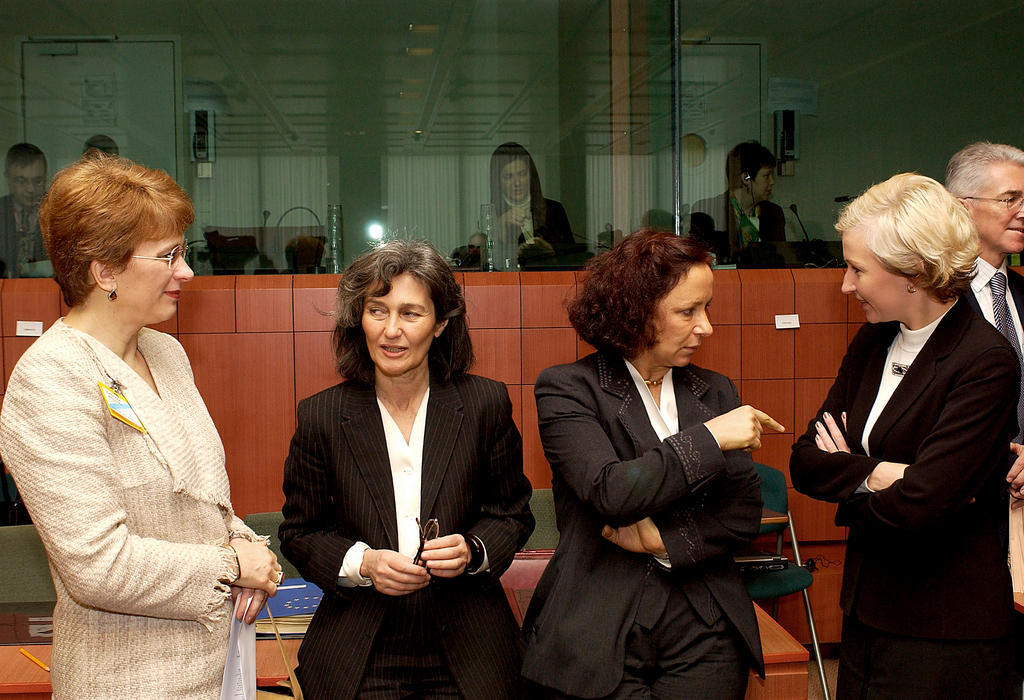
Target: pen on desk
{"type": "Point", "coordinates": [34, 660]}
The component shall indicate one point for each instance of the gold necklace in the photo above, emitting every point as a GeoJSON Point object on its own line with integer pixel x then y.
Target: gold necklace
{"type": "Point", "coordinates": [654, 382]}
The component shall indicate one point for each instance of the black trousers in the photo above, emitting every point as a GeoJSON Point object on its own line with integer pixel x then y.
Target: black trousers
{"type": "Point", "coordinates": [679, 657]}
{"type": "Point", "coordinates": [874, 665]}
{"type": "Point", "coordinates": [407, 661]}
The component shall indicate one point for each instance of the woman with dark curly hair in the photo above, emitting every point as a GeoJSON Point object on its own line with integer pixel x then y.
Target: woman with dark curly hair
{"type": "Point", "coordinates": [654, 492]}
{"type": "Point", "coordinates": [405, 498]}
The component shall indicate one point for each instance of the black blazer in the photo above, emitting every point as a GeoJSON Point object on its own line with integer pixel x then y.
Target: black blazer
{"type": "Point", "coordinates": [338, 489]}
{"type": "Point", "coordinates": [1015, 283]}
{"type": "Point", "coordinates": [610, 468]}
{"type": "Point", "coordinates": [923, 556]}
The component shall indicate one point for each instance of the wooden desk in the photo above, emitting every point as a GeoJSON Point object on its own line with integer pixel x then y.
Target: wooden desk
{"type": "Point", "coordinates": [785, 663]}
{"type": "Point", "coordinates": [785, 666]}
{"type": "Point", "coordinates": [20, 679]}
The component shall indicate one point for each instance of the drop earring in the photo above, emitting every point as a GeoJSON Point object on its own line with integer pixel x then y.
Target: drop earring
{"type": "Point", "coordinates": [113, 294]}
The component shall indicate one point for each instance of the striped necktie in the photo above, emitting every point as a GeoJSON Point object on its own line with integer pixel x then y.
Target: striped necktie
{"type": "Point", "coordinates": [1004, 322]}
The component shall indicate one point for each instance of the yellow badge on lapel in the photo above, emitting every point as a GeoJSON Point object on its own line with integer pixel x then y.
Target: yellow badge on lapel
{"type": "Point", "coordinates": [120, 408]}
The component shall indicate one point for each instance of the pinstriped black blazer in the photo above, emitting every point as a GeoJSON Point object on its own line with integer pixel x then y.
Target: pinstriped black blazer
{"type": "Point", "coordinates": [338, 489]}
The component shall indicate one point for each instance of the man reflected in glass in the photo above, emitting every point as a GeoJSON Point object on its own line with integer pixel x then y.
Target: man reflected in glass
{"type": "Point", "coordinates": [22, 253]}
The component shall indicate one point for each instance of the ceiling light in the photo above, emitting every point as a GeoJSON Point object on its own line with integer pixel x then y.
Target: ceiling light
{"type": "Point", "coordinates": [418, 51]}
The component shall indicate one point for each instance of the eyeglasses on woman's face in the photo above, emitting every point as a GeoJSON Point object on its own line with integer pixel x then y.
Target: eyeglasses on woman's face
{"type": "Point", "coordinates": [172, 258]}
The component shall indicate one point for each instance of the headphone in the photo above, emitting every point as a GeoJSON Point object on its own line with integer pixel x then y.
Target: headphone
{"type": "Point", "coordinates": [746, 177]}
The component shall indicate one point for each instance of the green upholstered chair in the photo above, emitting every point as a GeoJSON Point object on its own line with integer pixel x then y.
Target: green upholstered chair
{"type": "Point", "coordinates": [26, 574]}
{"type": "Point", "coordinates": [545, 534]}
{"type": "Point", "coordinates": [267, 524]}
{"type": "Point", "coordinates": [794, 578]}
{"type": "Point", "coordinates": [12, 510]}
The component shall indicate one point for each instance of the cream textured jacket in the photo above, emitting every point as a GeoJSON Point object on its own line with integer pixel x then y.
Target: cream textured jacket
{"type": "Point", "coordinates": [131, 522]}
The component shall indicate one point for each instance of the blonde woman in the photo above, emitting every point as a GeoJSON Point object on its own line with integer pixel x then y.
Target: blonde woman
{"type": "Point", "coordinates": [911, 442]}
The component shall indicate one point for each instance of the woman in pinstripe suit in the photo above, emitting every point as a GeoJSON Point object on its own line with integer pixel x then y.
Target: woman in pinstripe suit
{"type": "Point", "coordinates": [405, 498]}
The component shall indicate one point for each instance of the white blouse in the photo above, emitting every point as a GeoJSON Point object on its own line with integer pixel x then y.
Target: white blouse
{"type": "Point", "coordinates": [406, 474]}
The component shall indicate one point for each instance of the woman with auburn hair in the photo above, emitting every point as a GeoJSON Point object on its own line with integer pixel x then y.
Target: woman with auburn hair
{"type": "Point", "coordinates": [654, 492]}
{"type": "Point", "coordinates": [116, 457]}
{"type": "Point", "coordinates": [405, 498]}
{"type": "Point", "coordinates": [912, 443]}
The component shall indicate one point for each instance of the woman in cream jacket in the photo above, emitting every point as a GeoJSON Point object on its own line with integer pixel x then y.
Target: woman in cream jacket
{"type": "Point", "coordinates": [116, 456]}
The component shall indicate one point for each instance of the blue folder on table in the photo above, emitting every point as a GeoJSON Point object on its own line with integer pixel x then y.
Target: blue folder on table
{"type": "Point", "coordinates": [295, 596]}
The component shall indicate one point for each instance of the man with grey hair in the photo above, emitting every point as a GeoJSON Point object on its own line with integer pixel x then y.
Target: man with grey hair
{"type": "Point", "coordinates": [989, 179]}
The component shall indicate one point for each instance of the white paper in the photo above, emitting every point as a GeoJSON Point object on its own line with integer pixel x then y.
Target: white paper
{"type": "Point", "coordinates": [240, 669]}
{"type": "Point", "coordinates": [787, 321]}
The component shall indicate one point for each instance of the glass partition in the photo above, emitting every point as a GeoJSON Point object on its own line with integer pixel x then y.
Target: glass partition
{"type": "Point", "coordinates": [513, 134]}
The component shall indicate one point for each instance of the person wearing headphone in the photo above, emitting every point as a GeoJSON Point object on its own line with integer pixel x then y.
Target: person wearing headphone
{"type": "Point", "coordinates": [743, 215]}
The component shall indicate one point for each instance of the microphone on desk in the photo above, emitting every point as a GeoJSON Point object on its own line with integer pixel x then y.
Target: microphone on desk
{"type": "Point", "coordinates": [266, 217]}
{"type": "Point", "coordinates": [792, 208]}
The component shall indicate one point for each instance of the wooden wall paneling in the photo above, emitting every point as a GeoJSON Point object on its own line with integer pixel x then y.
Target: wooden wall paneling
{"type": "Point", "coordinates": [814, 520]}
{"type": "Point", "coordinates": [535, 465]}
{"type": "Point", "coordinates": [767, 352]}
{"type": "Point", "coordinates": [854, 313]}
{"type": "Point", "coordinates": [263, 303]}
{"type": "Point", "coordinates": [773, 396]}
{"type": "Point", "coordinates": [818, 299]}
{"type": "Point", "coordinates": [170, 326]}
{"type": "Point", "coordinates": [547, 347]}
{"type": "Point", "coordinates": [247, 381]}
{"type": "Point", "coordinates": [28, 300]}
{"type": "Point", "coordinates": [492, 299]}
{"type": "Point", "coordinates": [498, 353]}
{"type": "Point", "coordinates": [775, 451]}
{"type": "Point", "coordinates": [824, 594]}
{"type": "Point", "coordinates": [544, 297]}
{"type": "Point", "coordinates": [820, 348]}
{"type": "Point", "coordinates": [583, 348]}
{"type": "Point", "coordinates": [722, 351]}
{"type": "Point", "coordinates": [314, 363]}
{"type": "Point", "coordinates": [809, 395]}
{"type": "Point", "coordinates": [13, 349]}
{"type": "Point", "coordinates": [726, 302]}
{"type": "Point", "coordinates": [766, 293]}
{"type": "Point", "coordinates": [207, 305]}
{"type": "Point", "coordinates": [314, 297]}
{"type": "Point", "coordinates": [515, 396]}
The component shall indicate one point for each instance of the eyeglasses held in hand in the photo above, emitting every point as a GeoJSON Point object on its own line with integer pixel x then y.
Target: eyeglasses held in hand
{"type": "Point", "coordinates": [428, 531]}
{"type": "Point", "coordinates": [171, 258]}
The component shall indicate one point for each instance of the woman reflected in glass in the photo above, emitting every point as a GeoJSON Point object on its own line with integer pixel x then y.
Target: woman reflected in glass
{"type": "Point", "coordinates": [529, 229]}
